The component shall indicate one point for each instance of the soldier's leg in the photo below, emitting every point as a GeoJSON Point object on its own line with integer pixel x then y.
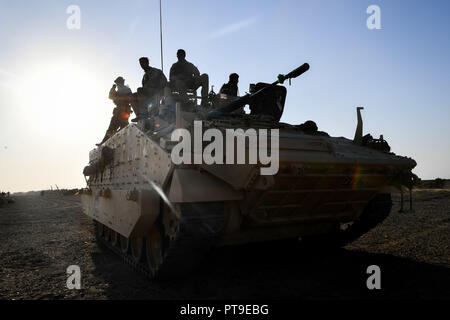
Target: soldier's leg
{"type": "Point", "coordinates": [202, 81]}
{"type": "Point", "coordinates": [143, 101]}
{"type": "Point", "coordinates": [154, 103]}
{"type": "Point", "coordinates": [134, 102]}
{"type": "Point", "coordinates": [114, 124]}
{"type": "Point", "coordinates": [123, 123]}
{"type": "Point", "coordinates": [181, 87]}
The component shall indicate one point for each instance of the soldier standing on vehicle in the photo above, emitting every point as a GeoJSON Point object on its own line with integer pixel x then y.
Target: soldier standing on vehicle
{"type": "Point", "coordinates": [184, 75]}
{"type": "Point", "coordinates": [231, 88]}
{"type": "Point", "coordinates": [153, 83]}
{"type": "Point", "coordinates": [120, 94]}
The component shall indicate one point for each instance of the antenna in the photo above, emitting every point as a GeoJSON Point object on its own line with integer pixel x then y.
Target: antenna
{"type": "Point", "coordinates": [161, 35]}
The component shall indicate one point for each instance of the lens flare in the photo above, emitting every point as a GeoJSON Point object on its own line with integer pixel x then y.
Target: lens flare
{"type": "Point", "coordinates": [356, 177]}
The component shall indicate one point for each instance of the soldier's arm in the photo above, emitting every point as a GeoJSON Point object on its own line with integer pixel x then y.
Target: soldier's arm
{"type": "Point", "coordinates": [112, 93]}
{"type": "Point", "coordinates": [147, 83]}
{"type": "Point", "coordinates": [172, 75]}
{"type": "Point", "coordinates": [195, 71]}
{"type": "Point", "coordinates": [145, 80]}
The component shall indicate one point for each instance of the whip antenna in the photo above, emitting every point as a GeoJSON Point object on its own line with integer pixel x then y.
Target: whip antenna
{"type": "Point", "coordinates": [160, 34]}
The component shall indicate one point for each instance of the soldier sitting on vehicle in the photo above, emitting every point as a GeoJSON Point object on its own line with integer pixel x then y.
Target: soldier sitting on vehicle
{"type": "Point", "coordinates": [184, 75]}
{"type": "Point", "coordinates": [231, 88]}
{"type": "Point", "coordinates": [153, 83]}
{"type": "Point", "coordinates": [120, 94]}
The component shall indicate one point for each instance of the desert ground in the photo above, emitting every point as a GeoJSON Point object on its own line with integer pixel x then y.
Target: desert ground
{"type": "Point", "coordinates": [40, 236]}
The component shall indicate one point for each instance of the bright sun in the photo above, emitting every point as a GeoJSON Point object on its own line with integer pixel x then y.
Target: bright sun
{"type": "Point", "coordinates": [61, 92]}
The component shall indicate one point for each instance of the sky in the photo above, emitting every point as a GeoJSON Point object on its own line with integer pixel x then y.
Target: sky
{"type": "Point", "coordinates": [54, 81]}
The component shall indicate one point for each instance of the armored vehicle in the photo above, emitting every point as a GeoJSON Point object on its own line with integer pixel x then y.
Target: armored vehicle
{"type": "Point", "coordinates": [162, 215]}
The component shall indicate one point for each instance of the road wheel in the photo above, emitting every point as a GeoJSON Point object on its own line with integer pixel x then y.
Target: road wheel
{"type": "Point", "coordinates": [124, 244]}
{"type": "Point", "coordinates": [114, 238]}
{"type": "Point", "coordinates": [106, 233]}
{"type": "Point", "coordinates": [137, 248]}
{"type": "Point", "coordinates": [154, 248]}
{"type": "Point", "coordinates": [98, 229]}
{"type": "Point", "coordinates": [374, 213]}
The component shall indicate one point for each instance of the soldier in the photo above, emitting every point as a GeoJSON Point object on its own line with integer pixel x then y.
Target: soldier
{"type": "Point", "coordinates": [120, 94]}
{"type": "Point", "coordinates": [153, 83]}
{"type": "Point", "coordinates": [184, 75]}
{"type": "Point", "coordinates": [231, 88]}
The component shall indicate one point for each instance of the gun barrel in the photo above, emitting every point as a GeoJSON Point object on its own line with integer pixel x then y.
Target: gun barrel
{"type": "Point", "coordinates": [234, 105]}
{"type": "Point", "coordinates": [247, 98]}
{"type": "Point", "coordinates": [297, 72]}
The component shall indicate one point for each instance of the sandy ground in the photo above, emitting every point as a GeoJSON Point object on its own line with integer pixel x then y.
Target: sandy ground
{"type": "Point", "coordinates": [40, 236]}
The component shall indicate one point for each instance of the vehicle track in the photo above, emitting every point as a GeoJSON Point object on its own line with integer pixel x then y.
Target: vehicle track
{"type": "Point", "coordinates": [198, 230]}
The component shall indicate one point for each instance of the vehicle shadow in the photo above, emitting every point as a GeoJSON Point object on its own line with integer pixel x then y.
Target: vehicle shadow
{"type": "Point", "coordinates": [280, 271]}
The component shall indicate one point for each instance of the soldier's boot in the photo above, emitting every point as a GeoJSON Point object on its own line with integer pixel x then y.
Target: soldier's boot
{"type": "Point", "coordinates": [107, 136]}
{"type": "Point", "coordinates": [114, 124]}
{"type": "Point", "coordinates": [100, 143]}
{"type": "Point", "coordinates": [140, 116]}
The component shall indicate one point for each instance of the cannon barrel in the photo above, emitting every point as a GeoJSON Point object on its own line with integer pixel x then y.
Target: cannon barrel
{"type": "Point", "coordinates": [239, 103]}
{"type": "Point", "coordinates": [297, 72]}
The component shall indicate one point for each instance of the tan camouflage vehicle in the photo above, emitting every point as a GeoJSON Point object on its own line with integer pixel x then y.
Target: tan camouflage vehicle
{"type": "Point", "coordinates": [163, 217]}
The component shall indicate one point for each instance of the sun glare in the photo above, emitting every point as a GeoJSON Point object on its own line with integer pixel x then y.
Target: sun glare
{"type": "Point", "coordinates": [60, 94]}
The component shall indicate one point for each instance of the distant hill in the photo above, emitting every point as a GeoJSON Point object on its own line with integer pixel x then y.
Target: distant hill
{"type": "Point", "coordinates": [43, 192]}
{"type": "Point", "coordinates": [437, 183]}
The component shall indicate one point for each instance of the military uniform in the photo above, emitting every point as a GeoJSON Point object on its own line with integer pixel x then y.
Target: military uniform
{"type": "Point", "coordinates": [121, 113]}
{"type": "Point", "coordinates": [230, 89]}
{"type": "Point", "coordinates": [184, 75]}
{"type": "Point", "coordinates": [153, 83]}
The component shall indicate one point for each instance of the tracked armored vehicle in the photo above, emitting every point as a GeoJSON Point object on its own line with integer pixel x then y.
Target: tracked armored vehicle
{"type": "Point", "coordinates": [163, 217]}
